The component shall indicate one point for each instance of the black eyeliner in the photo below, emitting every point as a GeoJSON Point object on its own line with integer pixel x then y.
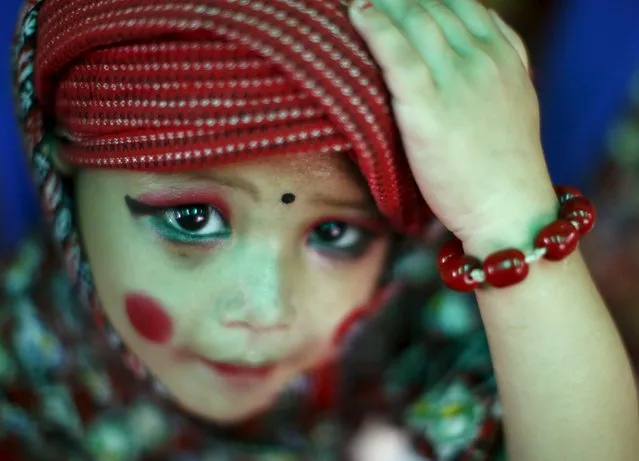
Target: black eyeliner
{"type": "Point", "coordinates": [140, 209]}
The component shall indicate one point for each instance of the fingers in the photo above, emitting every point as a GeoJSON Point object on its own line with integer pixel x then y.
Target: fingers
{"type": "Point", "coordinates": [455, 31]}
{"type": "Point", "coordinates": [424, 33]}
{"type": "Point", "coordinates": [400, 25]}
{"type": "Point", "coordinates": [475, 17]}
{"type": "Point", "coordinates": [429, 43]}
{"type": "Point", "coordinates": [513, 38]}
{"type": "Point", "coordinates": [489, 28]}
{"type": "Point", "coordinates": [402, 65]}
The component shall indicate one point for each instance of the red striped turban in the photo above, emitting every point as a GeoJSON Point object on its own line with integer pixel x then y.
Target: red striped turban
{"type": "Point", "coordinates": [186, 84]}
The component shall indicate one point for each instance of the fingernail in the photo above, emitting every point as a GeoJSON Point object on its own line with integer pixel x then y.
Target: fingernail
{"type": "Point", "coordinates": [362, 5]}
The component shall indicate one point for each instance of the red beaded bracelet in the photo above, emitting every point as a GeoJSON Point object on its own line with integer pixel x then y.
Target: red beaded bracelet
{"type": "Point", "coordinates": [505, 268]}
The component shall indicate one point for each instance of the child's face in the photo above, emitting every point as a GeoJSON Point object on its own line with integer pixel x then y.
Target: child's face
{"type": "Point", "coordinates": [223, 290]}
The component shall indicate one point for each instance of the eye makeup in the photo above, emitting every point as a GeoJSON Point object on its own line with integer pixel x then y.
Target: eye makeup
{"type": "Point", "coordinates": [153, 202]}
{"type": "Point", "coordinates": [184, 219]}
{"type": "Point", "coordinates": [362, 233]}
{"type": "Point", "coordinates": [375, 226]}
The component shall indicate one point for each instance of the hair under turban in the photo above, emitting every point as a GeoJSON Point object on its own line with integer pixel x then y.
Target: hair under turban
{"type": "Point", "coordinates": [187, 84]}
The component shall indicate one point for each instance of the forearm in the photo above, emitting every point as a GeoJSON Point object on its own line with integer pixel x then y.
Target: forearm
{"type": "Point", "coordinates": [564, 378]}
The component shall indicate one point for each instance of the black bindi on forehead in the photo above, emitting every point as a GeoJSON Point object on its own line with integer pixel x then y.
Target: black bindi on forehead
{"type": "Point", "coordinates": [288, 198]}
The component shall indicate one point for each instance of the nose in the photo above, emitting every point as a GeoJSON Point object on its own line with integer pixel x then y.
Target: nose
{"type": "Point", "coordinates": [238, 309]}
{"type": "Point", "coordinates": [257, 297]}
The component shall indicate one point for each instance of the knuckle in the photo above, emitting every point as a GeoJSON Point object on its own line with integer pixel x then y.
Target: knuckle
{"type": "Point", "coordinates": [432, 4]}
{"type": "Point", "coordinates": [406, 58]}
{"type": "Point", "coordinates": [516, 53]}
{"type": "Point", "coordinates": [413, 13]}
{"type": "Point", "coordinates": [483, 66]}
{"type": "Point", "coordinates": [436, 10]}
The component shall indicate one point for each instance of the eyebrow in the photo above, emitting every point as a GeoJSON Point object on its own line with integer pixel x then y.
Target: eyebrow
{"type": "Point", "coordinates": [235, 183]}
{"type": "Point", "coordinates": [356, 205]}
{"type": "Point", "coordinates": [361, 205]}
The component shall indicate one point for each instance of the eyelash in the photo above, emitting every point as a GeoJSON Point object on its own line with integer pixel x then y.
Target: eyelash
{"type": "Point", "coordinates": [160, 220]}
{"type": "Point", "coordinates": [358, 249]}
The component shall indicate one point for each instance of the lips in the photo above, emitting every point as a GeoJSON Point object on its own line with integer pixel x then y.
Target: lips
{"type": "Point", "coordinates": [239, 371]}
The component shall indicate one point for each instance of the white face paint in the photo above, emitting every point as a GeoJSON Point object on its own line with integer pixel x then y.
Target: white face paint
{"type": "Point", "coordinates": [251, 290]}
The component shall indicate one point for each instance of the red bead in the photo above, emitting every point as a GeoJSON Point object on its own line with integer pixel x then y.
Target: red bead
{"type": "Point", "coordinates": [450, 251]}
{"type": "Point", "coordinates": [565, 193]}
{"type": "Point", "coordinates": [505, 268]}
{"type": "Point", "coordinates": [559, 239]}
{"type": "Point", "coordinates": [580, 210]}
{"type": "Point", "coordinates": [456, 274]}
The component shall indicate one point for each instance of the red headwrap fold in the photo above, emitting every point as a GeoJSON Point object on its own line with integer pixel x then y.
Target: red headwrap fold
{"type": "Point", "coordinates": [176, 85]}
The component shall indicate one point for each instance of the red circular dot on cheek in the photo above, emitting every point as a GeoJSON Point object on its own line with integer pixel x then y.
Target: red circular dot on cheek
{"type": "Point", "coordinates": [149, 318]}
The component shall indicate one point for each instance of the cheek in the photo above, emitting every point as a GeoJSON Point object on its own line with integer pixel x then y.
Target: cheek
{"type": "Point", "coordinates": [379, 300]}
{"type": "Point", "coordinates": [149, 318]}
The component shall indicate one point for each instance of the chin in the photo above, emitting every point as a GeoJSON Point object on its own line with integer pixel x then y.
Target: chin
{"type": "Point", "coordinates": [226, 411]}
{"type": "Point", "coordinates": [223, 400]}
{"type": "Point", "coordinates": [210, 400]}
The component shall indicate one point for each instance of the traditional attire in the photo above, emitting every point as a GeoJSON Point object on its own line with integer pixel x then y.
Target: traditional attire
{"type": "Point", "coordinates": [182, 85]}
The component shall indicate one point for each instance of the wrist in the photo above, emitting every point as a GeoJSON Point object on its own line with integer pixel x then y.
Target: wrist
{"type": "Point", "coordinates": [512, 224]}
{"type": "Point", "coordinates": [500, 254]}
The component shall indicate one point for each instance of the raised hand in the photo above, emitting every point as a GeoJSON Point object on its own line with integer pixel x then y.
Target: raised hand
{"type": "Point", "coordinates": [467, 111]}
{"type": "Point", "coordinates": [469, 119]}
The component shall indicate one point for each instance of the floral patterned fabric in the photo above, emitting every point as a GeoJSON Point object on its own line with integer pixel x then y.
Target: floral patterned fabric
{"type": "Point", "coordinates": [72, 392]}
